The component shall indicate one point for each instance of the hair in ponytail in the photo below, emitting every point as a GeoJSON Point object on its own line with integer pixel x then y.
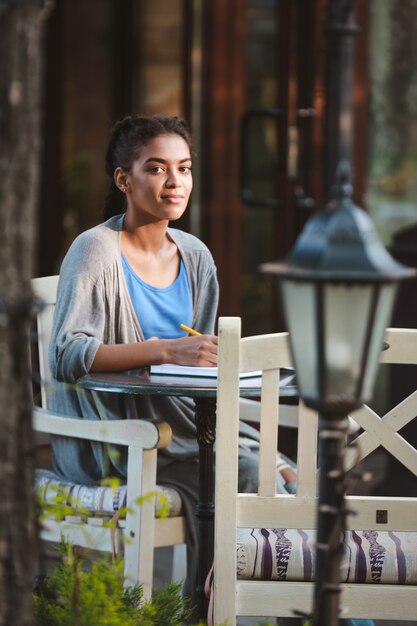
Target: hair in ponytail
{"type": "Point", "coordinates": [127, 138]}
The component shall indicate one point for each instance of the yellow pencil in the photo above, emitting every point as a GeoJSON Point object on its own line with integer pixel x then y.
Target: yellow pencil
{"type": "Point", "coordinates": [189, 330]}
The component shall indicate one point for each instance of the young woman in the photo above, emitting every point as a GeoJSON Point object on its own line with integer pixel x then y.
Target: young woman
{"type": "Point", "coordinates": [125, 286]}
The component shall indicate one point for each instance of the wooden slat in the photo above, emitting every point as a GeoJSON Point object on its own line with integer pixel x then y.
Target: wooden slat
{"type": "Point", "coordinates": [383, 431]}
{"type": "Point", "coordinates": [168, 532]}
{"type": "Point", "coordinates": [402, 346]}
{"type": "Point", "coordinates": [265, 352]}
{"type": "Point", "coordinates": [250, 411]}
{"type": "Point", "coordinates": [307, 453]}
{"type": "Point", "coordinates": [227, 463]}
{"type": "Point", "coordinates": [401, 513]}
{"type": "Point", "coordinates": [45, 288]}
{"type": "Point", "coordinates": [268, 434]}
{"type": "Point", "coordinates": [280, 511]}
{"type": "Point", "coordinates": [390, 602]}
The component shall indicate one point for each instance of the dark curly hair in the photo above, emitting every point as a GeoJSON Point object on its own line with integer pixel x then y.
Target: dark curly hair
{"type": "Point", "coordinates": [127, 138]}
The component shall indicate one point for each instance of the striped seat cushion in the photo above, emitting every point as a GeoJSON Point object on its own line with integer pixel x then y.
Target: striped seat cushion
{"type": "Point", "coordinates": [98, 500]}
{"type": "Point", "coordinates": [289, 554]}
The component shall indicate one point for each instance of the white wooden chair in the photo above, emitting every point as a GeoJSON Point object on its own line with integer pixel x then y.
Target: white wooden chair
{"type": "Point", "coordinates": [264, 542]}
{"type": "Point", "coordinates": [139, 531]}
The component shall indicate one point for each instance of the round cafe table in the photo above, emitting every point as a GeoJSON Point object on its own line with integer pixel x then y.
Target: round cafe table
{"type": "Point", "coordinates": [203, 391]}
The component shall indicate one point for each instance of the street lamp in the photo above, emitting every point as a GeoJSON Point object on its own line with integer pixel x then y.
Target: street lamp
{"type": "Point", "coordinates": [338, 286]}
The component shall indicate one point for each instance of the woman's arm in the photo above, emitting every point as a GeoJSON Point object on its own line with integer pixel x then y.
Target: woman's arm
{"type": "Point", "coordinates": [200, 351]}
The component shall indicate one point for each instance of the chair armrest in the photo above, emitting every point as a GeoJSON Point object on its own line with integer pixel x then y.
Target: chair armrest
{"type": "Point", "coordinates": [250, 411]}
{"type": "Point", "coordinates": [139, 433]}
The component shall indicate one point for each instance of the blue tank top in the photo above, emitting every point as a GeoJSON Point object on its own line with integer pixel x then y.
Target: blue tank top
{"type": "Point", "coordinates": [160, 311]}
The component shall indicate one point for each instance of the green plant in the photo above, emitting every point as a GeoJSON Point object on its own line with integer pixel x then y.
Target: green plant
{"type": "Point", "coordinates": [73, 595]}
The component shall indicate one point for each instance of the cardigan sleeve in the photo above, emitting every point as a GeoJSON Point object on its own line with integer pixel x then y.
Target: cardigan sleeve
{"type": "Point", "coordinates": [206, 301]}
{"type": "Point", "coordinates": [79, 318]}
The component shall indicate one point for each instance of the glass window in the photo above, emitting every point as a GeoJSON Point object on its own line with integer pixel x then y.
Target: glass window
{"type": "Point", "coordinates": [161, 57]}
{"type": "Point", "coordinates": [259, 221]}
{"type": "Point", "coordinates": [392, 185]}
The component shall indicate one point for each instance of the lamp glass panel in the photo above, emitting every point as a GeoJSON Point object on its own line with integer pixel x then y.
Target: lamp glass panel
{"type": "Point", "coordinates": [300, 316]}
{"type": "Point", "coordinates": [382, 320]}
{"type": "Point", "coordinates": [346, 315]}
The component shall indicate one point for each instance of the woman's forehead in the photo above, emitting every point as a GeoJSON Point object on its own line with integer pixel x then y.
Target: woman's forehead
{"type": "Point", "coordinates": [166, 146]}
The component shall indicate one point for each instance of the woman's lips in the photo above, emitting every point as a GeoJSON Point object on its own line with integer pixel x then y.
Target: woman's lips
{"type": "Point", "coordinates": [173, 198]}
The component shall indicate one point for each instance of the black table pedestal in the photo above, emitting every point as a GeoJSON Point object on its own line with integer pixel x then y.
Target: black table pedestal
{"type": "Point", "coordinates": [205, 417]}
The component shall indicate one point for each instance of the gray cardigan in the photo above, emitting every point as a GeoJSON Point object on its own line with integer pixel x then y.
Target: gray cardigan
{"type": "Point", "coordinates": [94, 307]}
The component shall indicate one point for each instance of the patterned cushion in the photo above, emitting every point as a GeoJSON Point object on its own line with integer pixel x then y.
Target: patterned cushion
{"type": "Point", "coordinates": [100, 500]}
{"type": "Point", "coordinates": [289, 554]}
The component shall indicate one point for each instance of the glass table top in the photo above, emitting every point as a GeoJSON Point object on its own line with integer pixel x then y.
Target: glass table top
{"type": "Point", "coordinates": [141, 382]}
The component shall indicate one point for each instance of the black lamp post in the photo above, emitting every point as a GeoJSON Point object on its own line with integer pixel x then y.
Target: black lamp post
{"type": "Point", "coordinates": [338, 286]}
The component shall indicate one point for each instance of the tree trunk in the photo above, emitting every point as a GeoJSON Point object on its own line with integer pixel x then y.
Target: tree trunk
{"type": "Point", "coordinates": [21, 29]}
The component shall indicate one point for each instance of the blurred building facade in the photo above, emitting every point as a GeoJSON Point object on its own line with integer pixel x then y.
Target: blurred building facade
{"type": "Point", "coordinates": [251, 78]}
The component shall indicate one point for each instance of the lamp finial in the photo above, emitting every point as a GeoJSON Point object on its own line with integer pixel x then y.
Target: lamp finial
{"type": "Point", "coordinates": [343, 187]}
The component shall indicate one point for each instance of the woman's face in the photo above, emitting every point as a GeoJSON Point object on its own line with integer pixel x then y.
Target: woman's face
{"type": "Point", "coordinates": [160, 181]}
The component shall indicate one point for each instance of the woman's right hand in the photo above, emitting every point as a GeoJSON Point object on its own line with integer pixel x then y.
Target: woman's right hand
{"type": "Point", "coordinates": [198, 350]}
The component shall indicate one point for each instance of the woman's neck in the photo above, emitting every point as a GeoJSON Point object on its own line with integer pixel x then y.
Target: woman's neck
{"type": "Point", "coordinates": [151, 253]}
{"type": "Point", "coordinates": [149, 237]}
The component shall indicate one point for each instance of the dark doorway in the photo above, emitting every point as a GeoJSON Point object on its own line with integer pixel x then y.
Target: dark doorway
{"type": "Point", "coordinates": [264, 111]}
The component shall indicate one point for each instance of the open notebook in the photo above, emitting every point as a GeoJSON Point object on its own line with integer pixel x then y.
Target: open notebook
{"type": "Point", "coordinates": [170, 369]}
{"type": "Point", "coordinates": [177, 373]}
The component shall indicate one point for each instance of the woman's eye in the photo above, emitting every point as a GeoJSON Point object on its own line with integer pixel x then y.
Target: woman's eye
{"type": "Point", "coordinates": [156, 169]}
{"type": "Point", "coordinates": [186, 168]}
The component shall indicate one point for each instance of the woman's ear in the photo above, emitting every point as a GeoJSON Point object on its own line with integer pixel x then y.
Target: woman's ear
{"type": "Point", "coordinates": [120, 179]}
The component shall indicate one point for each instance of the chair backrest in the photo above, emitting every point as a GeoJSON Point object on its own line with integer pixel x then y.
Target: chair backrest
{"type": "Point", "coordinates": [268, 353]}
{"type": "Point", "coordinates": [45, 288]}
{"type": "Point", "coordinates": [401, 349]}
{"type": "Point", "coordinates": [268, 510]}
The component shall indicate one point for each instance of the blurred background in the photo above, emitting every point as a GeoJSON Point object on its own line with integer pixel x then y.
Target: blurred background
{"type": "Point", "coordinates": [254, 78]}
{"type": "Point", "coordinates": [251, 77]}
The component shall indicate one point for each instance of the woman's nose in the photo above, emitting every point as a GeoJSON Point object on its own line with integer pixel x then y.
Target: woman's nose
{"type": "Point", "coordinates": [172, 180]}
